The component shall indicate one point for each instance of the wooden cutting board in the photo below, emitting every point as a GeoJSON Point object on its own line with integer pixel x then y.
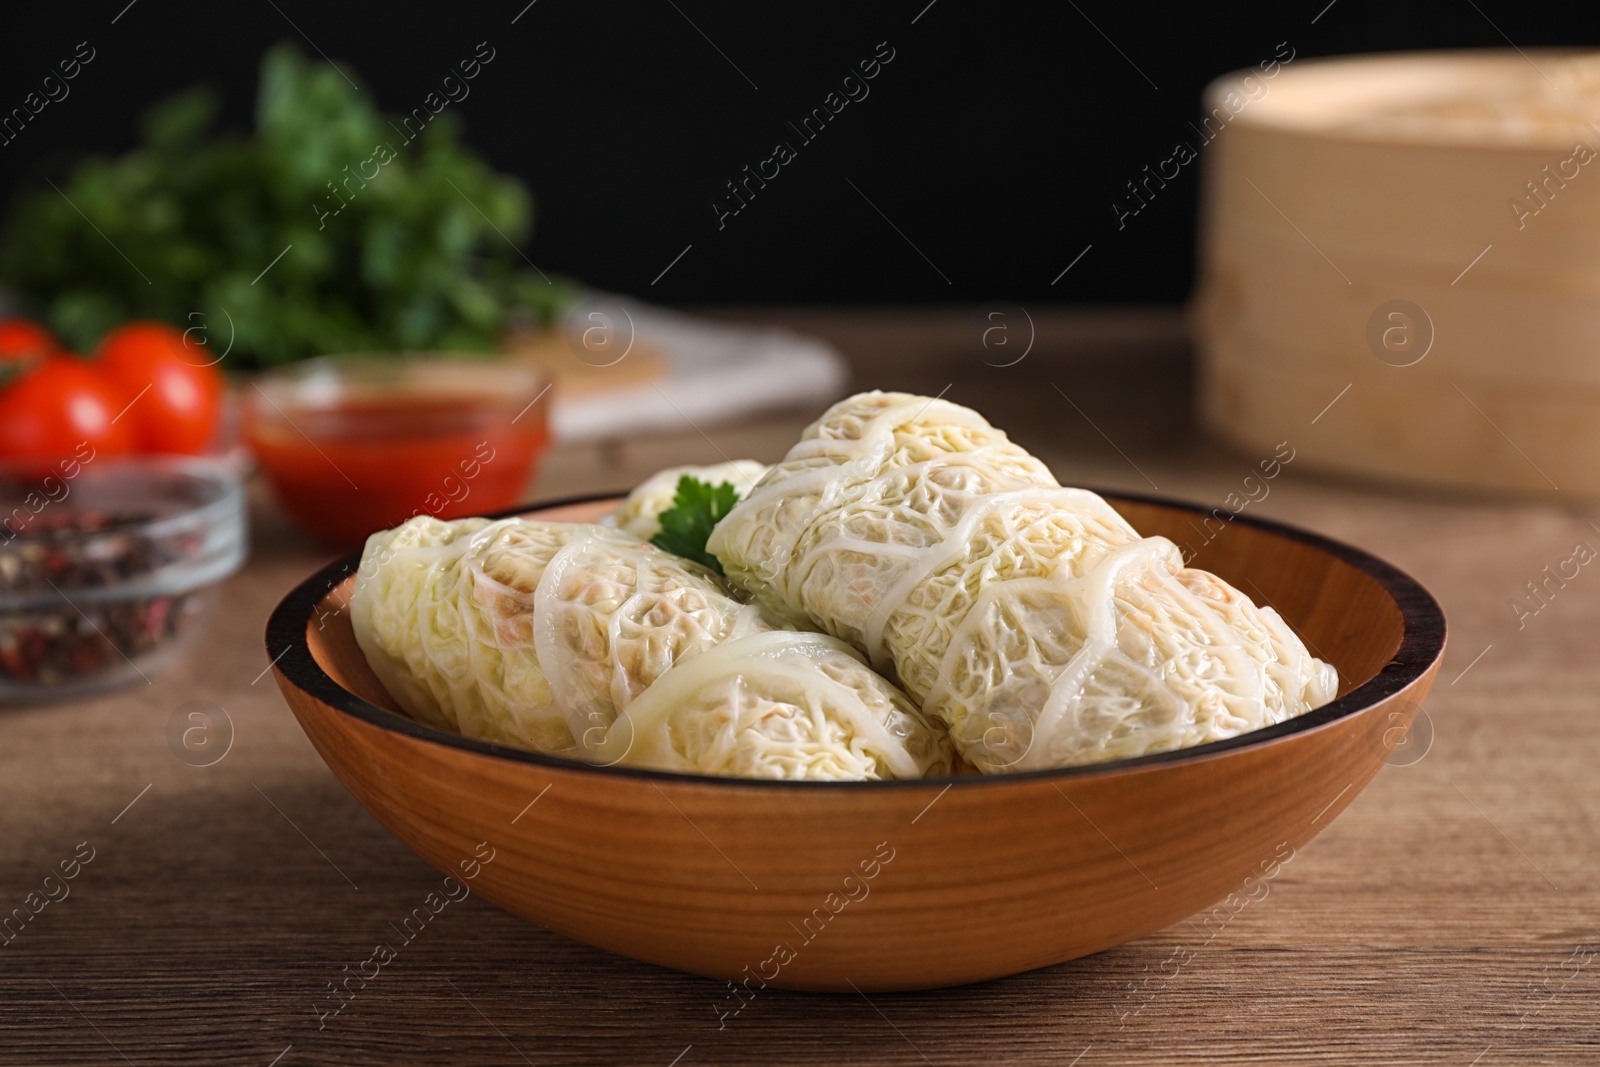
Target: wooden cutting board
{"type": "Point", "coordinates": [577, 371]}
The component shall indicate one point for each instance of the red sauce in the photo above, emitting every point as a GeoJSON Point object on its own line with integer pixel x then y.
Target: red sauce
{"type": "Point", "coordinates": [356, 466]}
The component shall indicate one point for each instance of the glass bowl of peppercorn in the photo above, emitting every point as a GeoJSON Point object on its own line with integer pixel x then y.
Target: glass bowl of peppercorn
{"type": "Point", "coordinates": [108, 567]}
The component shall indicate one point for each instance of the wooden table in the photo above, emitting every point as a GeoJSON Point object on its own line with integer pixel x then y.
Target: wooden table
{"type": "Point", "coordinates": [1450, 916]}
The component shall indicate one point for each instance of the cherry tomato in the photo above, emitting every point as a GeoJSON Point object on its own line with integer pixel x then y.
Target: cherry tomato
{"type": "Point", "coordinates": [21, 338]}
{"type": "Point", "coordinates": [61, 408]}
{"type": "Point", "coordinates": [176, 398]}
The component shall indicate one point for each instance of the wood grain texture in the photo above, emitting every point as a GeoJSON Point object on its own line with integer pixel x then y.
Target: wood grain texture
{"type": "Point", "coordinates": [1434, 922]}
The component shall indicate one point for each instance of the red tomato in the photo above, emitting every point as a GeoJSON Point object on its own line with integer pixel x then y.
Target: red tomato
{"type": "Point", "coordinates": [59, 408]}
{"type": "Point", "coordinates": [20, 338]}
{"type": "Point", "coordinates": [176, 398]}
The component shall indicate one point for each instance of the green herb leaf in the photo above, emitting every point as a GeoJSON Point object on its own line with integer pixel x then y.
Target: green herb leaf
{"type": "Point", "coordinates": [382, 233]}
{"type": "Point", "coordinates": [697, 507]}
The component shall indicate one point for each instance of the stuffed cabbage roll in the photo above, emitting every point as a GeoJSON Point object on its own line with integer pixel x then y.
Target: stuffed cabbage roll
{"type": "Point", "coordinates": [1030, 618]}
{"type": "Point", "coordinates": [541, 635]}
{"type": "Point", "coordinates": [780, 704]}
{"type": "Point", "coordinates": [640, 513]}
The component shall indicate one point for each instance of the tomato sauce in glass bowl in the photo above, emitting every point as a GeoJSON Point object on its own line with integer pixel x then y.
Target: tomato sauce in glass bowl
{"type": "Point", "coordinates": [355, 444]}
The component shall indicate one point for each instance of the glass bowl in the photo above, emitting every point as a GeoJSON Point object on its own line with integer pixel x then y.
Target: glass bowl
{"type": "Point", "coordinates": [108, 567]}
{"type": "Point", "coordinates": [357, 443]}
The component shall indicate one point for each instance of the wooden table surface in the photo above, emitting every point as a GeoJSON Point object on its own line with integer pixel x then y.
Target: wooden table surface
{"type": "Point", "coordinates": [1450, 916]}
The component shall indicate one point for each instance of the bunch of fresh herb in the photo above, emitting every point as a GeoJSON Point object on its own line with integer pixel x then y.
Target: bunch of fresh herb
{"type": "Point", "coordinates": [181, 229]}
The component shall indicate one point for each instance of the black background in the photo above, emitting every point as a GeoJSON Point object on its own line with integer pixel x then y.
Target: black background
{"type": "Point", "coordinates": [994, 141]}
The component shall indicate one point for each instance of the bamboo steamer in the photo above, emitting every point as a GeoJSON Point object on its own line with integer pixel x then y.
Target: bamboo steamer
{"type": "Point", "coordinates": [1349, 184]}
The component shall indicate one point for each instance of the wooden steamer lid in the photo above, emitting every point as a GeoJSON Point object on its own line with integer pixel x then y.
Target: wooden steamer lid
{"type": "Point", "coordinates": [1341, 187]}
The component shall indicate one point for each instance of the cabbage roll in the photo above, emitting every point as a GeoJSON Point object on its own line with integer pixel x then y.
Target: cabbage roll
{"type": "Point", "coordinates": [545, 635]}
{"type": "Point", "coordinates": [1030, 618]}
{"type": "Point", "coordinates": [640, 513]}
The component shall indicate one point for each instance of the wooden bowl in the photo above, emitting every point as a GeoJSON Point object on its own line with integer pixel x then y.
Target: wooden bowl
{"type": "Point", "coordinates": [887, 885]}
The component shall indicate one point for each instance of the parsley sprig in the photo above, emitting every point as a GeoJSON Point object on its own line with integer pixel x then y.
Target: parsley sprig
{"type": "Point", "coordinates": [697, 507]}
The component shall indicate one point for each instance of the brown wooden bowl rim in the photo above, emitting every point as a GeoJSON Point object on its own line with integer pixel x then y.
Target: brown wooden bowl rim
{"type": "Point", "coordinates": [1421, 644]}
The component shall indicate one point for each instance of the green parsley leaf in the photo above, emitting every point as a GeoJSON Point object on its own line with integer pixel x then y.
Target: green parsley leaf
{"type": "Point", "coordinates": [697, 507]}
{"type": "Point", "coordinates": [415, 254]}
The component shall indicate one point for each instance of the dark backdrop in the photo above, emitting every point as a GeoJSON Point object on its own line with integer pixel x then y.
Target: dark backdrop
{"type": "Point", "coordinates": [983, 160]}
